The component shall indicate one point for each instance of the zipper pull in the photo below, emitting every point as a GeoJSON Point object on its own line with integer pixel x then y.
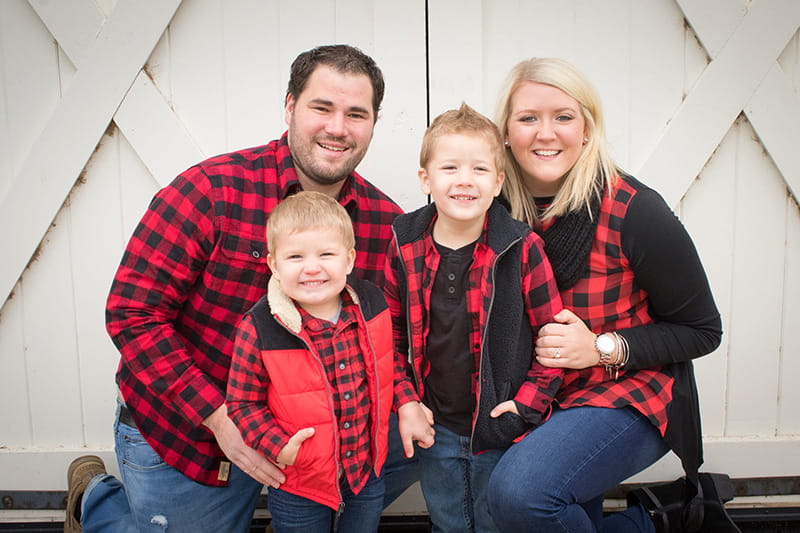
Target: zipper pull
{"type": "Point", "coordinates": [339, 512]}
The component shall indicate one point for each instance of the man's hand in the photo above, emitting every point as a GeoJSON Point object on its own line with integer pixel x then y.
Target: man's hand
{"type": "Point", "coordinates": [415, 423]}
{"type": "Point", "coordinates": [288, 453]}
{"type": "Point", "coordinates": [250, 461]}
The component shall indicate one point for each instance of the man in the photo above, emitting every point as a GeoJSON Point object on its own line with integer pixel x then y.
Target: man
{"type": "Point", "coordinates": [195, 263]}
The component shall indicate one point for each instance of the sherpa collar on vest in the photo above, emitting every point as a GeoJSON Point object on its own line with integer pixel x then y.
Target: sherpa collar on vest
{"type": "Point", "coordinates": [284, 307]}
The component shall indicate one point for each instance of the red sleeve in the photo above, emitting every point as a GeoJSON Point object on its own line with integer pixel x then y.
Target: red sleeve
{"type": "Point", "coordinates": [403, 384]}
{"type": "Point", "coordinates": [542, 303]}
{"type": "Point", "coordinates": [246, 399]}
{"type": "Point", "coordinates": [156, 274]}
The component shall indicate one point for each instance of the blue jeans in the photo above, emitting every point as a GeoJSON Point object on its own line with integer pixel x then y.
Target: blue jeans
{"type": "Point", "coordinates": [554, 479]}
{"type": "Point", "coordinates": [155, 496]}
{"type": "Point", "coordinates": [361, 512]}
{"type": "Point", "coordinates": [398, 472]}
{"type": "Point", "coordinates": [454, 483]}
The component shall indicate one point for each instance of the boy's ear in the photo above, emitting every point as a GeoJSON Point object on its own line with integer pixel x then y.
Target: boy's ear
{"type": "Point", "coordinates": [424, 181]}
{"type": "Point", "coordinates": [501, 178]}
{"type": "Point", "coordinates": [351, 260]}
{"type": "Point", "coordinates": [271, 265]}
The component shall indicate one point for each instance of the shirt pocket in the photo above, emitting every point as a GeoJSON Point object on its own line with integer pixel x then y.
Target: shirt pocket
{"type": "Point", "coordinates": [237, 272]}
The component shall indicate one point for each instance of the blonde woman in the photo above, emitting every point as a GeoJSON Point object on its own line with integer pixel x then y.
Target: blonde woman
{"type": "Point", "coordinates": [638, 309]}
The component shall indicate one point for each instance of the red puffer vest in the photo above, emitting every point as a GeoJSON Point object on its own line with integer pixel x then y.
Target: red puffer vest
{"type": "Point", "coordinates": [300, 395]}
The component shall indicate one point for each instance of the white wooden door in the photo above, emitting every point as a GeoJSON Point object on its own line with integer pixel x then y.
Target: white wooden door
{"type": "Point", "coordinates": [104, 101]}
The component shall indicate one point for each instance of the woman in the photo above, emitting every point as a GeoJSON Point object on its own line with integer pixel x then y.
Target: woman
{"type": "Point", "coordinates": [638, 309]}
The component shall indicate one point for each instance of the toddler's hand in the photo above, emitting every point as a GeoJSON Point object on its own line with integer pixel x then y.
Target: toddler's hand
{"type": "Point", "coordinates": [289, 452]}
{"type": "Point", "coordinates": [415, 422]}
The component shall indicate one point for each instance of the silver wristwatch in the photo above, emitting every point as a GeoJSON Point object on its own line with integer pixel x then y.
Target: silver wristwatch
{"type": "Point", "coordinates": [606, 346]}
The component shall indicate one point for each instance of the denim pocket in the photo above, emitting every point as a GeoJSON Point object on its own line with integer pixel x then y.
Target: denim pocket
{"type": "Point", "coordinates": [134, 451]}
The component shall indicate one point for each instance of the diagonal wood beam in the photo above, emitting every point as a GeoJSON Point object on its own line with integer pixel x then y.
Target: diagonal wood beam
{"type": "Point", "coordinates": [774, 108]}
{"type": "Point", "coordinates": [720, 94]}
{"type": "Point", "coordinates": [144, 116]}
{"type": "Point", "coordinates": [68, 140]}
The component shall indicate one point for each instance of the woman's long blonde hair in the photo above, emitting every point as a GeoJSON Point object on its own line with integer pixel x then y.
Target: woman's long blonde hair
{"type": "Point", "coordinates": [594, 169]}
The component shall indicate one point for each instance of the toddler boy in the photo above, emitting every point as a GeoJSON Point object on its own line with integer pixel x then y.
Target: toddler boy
{"type": "Point", "coordinates": [314, 374]}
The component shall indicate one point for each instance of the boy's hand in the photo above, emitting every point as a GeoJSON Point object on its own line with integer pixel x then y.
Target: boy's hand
{"type": "Point", "coordinates": [509, 406]}
{"type": "Point", "coordinates": [288, 453]}
{"type": "Point", "coordinates": [415, 422]}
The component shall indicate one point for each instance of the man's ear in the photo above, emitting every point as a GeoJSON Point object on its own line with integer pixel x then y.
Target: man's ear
{"type": "Point", "coordinates": [288, 109]}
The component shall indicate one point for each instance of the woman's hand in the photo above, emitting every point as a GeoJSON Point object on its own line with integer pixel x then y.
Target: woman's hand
{"type": "Point", "coordinates": [566, 343]}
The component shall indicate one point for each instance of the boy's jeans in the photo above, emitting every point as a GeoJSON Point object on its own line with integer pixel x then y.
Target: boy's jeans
{"type": "Point", "coordinates": [554, 479]}
{"type": "Point", "coordinates": [454, 483]}
{"type": "Point", "coordinates": [361, 513]}
{"type": "Point", "coordinates": [161, 498]}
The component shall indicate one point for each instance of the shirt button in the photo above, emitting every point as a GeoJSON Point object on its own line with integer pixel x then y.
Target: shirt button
{"type": "Point", "coordinates": [346, 425]}
{"type": "Point", "coordinates": [451, 276]}
{"type": "Point", "coordinates": [342, 366]}
{"type": "Point", "coordinates": [256, 254]}
{"type": "Point", "coordinates": [348, 453]}
{"type": "Point", "coordinates": [451, 290]}
{"type": "Point", "coordinates": [346, 395]}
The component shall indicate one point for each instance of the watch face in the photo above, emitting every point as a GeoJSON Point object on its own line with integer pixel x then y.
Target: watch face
{"type": "Point", "coordinates": [605, 343]}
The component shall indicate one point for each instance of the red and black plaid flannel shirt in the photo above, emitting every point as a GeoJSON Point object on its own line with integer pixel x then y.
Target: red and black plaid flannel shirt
{"type": "Point", "coordinates": [195, 263]}
{"type": "Point", "coordinates": [421, 261]}
{"type": "Point", "coordinates": [609, 299]}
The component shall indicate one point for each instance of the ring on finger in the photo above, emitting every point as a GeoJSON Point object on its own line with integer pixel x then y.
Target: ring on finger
{"type": "Point", "coordinates": [558, 353]}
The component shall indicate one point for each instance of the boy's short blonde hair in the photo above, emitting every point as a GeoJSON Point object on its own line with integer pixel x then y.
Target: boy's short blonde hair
{"type": "Point", "coordinates": [309, 210]}
{"type": "Point", "coordinates": [463, 121]}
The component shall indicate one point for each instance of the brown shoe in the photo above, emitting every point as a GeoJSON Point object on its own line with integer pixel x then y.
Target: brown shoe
{"type": "Point", "coordinates": [80, 473]}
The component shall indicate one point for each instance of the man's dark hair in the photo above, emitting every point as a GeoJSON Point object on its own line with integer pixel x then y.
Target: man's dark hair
{"type": "Point", "coordinates": [342, 58]}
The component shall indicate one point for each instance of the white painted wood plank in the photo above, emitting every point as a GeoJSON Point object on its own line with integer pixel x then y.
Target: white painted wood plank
{"type": "Point", "coordinates": [708, 212]}
{"type": "Point", "coordinates": [455, 55]}
{"type": "Point", "coordinates": [137, 187]}
{"type": "Point", "coordinates": [758, 288]}
{"type": "Point", "coordinates": [317, 29]}
{"type": "Point", "coordinates": [654, 72]}
{"type": "Point", "coordinates": [62, 150]}
{"type": "Point", "coordinates": [52, 358]}
{"type": "Point", "coordinates": [354, 22]}
{"type": "Point", "coordinates": [74, 25]}
{"type": "Point", "coordinates": [30, 86]}
{"type": "Point", "coordinates": [159, 138]}
{"type": "Point", "coordinates": [713, 20]}
{"type": "Point", "coordinates": [774, 111]}
{"type": "Point", "coordinates": [197, 41]}
{"type": "Point", "coordinates": [392, 160]}
{"type": "Point", "coordinates": [739, 458]}
{"type": "Point", "coordinates": [143, 115]}
{"type": "Point", "coordinates": [586, 25]}
{"type": "Point", "coordinates": [789, 394]}
{"type": "Point", "coordinates": [714, 101]}
{"type": "Point", "coordinates": [95, 226]}
{"type": "Point", "coordinates": [15, 419]}
{"type": "Point", "coordinates": [36, 469]}
{"type": "Point", "coordinates": [253, 88]}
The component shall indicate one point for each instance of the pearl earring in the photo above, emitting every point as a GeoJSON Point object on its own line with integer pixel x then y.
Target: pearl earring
{"type": "Point", "coordinates": [506, 143]}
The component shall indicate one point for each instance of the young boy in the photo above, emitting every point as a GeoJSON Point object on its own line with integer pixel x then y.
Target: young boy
{"type": "Point", "coordinates": [468, 288]}
{"type": "Point", "coordinates": [315, 375]}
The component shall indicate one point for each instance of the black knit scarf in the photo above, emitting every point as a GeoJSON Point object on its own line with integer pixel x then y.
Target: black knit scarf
{"type": "Point", "coordinates": [568, 242]}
